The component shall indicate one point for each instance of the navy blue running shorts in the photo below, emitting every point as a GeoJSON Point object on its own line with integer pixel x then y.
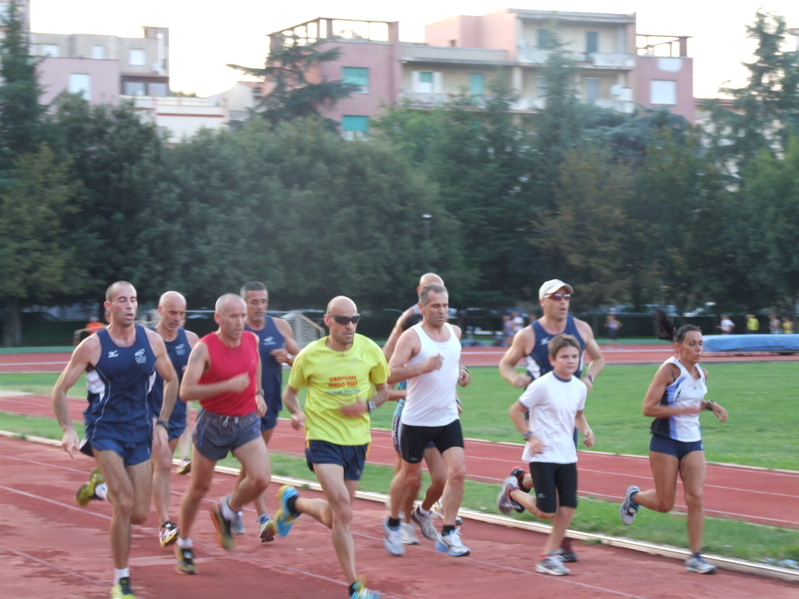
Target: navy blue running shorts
{"type": "Point", "coordinates": [350, 457]}
{"type": "Point", "coordinates": [679, 449]}
{"type": "Point", "coordinates": [131, 453]}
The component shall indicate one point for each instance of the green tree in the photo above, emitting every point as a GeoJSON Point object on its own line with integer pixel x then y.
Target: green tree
{"type": "Point", "coordinates": [36, 258]}
{"type": "Point", "coordinates": [292, 94]}
{"type": "Point", "coordinates": [20, 112]}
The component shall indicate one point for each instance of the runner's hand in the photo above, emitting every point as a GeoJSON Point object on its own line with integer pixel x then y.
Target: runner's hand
{"type": "Point", "coordinates": [433, 363]}
{"type": "Point", "coordinates": [260, 405]}
{"type": "Point", "coordinates": [239, 383]}
{"type": "Point", "coordinates": [354, 409]}
{"type": "Point", "coordinates": [280, 356]}
{"type": "Point", "coordinates": [297, 420]}
{"type": "Point", "coordinates": [70, 442]}
{"type": "Point", "coordinates": [590, 439]}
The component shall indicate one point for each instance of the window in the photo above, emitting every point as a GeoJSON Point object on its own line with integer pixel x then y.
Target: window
{"type": "Point", "coordinates": [137, 58]}
{"type": "Point", "coordinates": [541, 87]}
{"type": "Point", "coordinates": [133, 88]}
{"type": "Point", "coordinates": [98, 52]}
{"type": "Point", "coordinates": [51, 50]}
{"type": "Point", "coordinates": [591, 89]}
{"type": "Point", "coordinates": [663, 92]}
{"type": "Point", "coordinates": [157, 89]}
{"type": "Point", "coordinates": [425, 82]}
{"type": "Point", "coordinates": [357, 76]}
{"type": "Point", "coordinates": [355, 127]}
{"type": "Point", "coordinates": [591, 42]}
{"type": "Point", "coordinates": [543, 39]}
{"type": "Point", "coordinates": [80, 83]}
{"type": "Point", "coordinates": [476, 84]}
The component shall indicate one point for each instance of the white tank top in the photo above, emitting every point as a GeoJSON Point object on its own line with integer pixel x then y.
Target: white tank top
{"type": "Point", "coordinates": [685, 392]}
{"type": "Point", "coordinates": [431, 396]}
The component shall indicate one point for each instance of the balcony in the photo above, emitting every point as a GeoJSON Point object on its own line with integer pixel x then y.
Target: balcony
{"type": "Point", "coordinates": [602, 60]}
{"type": "Point", "coordinates": [419, 53]}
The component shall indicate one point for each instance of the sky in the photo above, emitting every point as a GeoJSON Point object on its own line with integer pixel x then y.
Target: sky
{"type": "Point", "coordinates": [205, 35]}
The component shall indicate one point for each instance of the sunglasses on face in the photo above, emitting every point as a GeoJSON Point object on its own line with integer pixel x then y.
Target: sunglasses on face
{"type": "Point", "coordinates": [560, 296]}
{"type": "Point", "coordinates": [344, 320]}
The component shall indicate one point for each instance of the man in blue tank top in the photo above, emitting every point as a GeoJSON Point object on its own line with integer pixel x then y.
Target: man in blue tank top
{"type": "Point", "coordinates": [276, 346]}
{"type": "Point", "coordinates": [531, 344]}
{"type": "Point", "coordinates": [120, 362]}
{"type": "Point", "coordinates": [178, 342]}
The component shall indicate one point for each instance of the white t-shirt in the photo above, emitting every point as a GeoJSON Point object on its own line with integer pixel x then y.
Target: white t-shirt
{"type": "Point", "coordinates": [431, 399]}
{"type": "Point", "coordinates": [727, 325]}
{"type": "Point", "coordinates": [554, 404]}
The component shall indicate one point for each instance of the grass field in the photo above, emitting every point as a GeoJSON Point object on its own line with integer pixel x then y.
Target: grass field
{"type": "Point", "coordinates": [760, 398]}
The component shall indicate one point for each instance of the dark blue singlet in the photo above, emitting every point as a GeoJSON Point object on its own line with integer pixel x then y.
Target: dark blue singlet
{"type": "Point", "coordinates": [537, 363]}
{"type": "Point", "coordinates": [269, 339]}
{"type": "Point", "coordinates": [118, 386]}
{"type": "Point", "coordinates": [178, 351]}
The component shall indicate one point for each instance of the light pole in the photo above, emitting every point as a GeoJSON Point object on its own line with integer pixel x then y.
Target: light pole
{"type": "Point", "coordinates": [426, 218]}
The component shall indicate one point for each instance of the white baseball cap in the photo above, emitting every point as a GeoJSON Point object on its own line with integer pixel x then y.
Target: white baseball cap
{"type": "Point", "coordinates": [551, 287]}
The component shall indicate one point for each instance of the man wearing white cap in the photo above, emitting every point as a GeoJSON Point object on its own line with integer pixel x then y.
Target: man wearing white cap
{"type": "Point", "coordinates": [531, 344]}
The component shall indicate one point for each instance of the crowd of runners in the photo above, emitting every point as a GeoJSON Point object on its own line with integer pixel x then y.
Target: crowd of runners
{"type": "Point", "coordinates": [140, 379]}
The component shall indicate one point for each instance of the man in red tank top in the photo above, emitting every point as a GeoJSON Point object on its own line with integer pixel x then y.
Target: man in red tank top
{"type": "Point", "coordinates": [223, 374]}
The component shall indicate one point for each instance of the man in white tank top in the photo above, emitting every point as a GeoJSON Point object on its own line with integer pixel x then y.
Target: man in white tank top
{"type": "Point", "coordinates": [428, 356]}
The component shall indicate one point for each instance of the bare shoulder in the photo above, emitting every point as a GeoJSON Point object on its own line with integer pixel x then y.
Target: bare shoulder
{"type": "Point", "coordinates": [706, 373]}
{"type": "Point", "coordinates": [284, 327]}
{"type": "Point", "coordinates": [156, 341]}
{"type": "Point", "coordinates": [586, 332]}
{"type": "Point", "coordinates": [457, 330]}
{"type": "Point", "coordinates": [192, 338]}
{"type": "Point", "coordinates": [408, 312]}
{"type": "Point", "coordinates": [88, 351]}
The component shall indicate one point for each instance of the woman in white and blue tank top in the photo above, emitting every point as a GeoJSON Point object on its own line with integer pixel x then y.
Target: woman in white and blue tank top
{"type": "Point", "coordinates": [675, 399]}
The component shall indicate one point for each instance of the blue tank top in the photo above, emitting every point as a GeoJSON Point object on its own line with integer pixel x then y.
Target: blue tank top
{"type": "Point", "coordinates": [118, 386]}
{"type": "Point", "coordinates": [269, 339]}
{"type": "Point", "coordinates": [537, 363]}
{"type": "Point", "coordinates": [178, 351]}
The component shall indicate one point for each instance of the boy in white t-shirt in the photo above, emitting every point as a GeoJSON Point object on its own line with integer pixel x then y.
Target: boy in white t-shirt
{"type": "Point", "coordinates": [556, 402]}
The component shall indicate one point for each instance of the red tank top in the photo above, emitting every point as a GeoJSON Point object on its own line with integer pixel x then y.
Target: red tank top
{"type": "Point", "coordinates": [227, 362]}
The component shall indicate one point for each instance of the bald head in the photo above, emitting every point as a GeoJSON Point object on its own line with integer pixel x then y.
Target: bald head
{"type": "Point", "coordinates": [229, 301]}
{"type": "Point", "coordinates": [430, 278]}
{"type": "Point", "coordinates": [172, 299]}
{"type": "Point", "coordinates": [341, 305]}
{"type": "Point", "coordinates": [114, 290]}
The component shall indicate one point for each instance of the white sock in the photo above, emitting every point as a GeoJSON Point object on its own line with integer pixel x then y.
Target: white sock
{"type": "Point", "coordinates": [226, 511]}
{"type": "Point", "coordinates": [184, 543]}
{"type": "Point", "coordinates": [101, 491]}
{"type": "Point", "coordinates": [119, 574]}
{"type": "Point", "coordinates": [423, 511]}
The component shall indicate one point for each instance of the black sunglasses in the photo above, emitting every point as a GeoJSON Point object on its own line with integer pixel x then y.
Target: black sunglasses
{"type": "Point", "coordinates": [559, 296]}
{"type": "Point", "coordinates": [345, 319]}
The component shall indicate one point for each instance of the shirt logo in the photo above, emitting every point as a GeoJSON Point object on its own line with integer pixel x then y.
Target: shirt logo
{"type": "Point", "coordinates": [113, 354]}
{"type": "Point", "coordinates": [140, 357]}
{"type": "Point", "coordinates": [269, 340]}
{"type": "Point", "coordinates": [545, 340]}
{"type": "Point", "coordinates": [180, 349]}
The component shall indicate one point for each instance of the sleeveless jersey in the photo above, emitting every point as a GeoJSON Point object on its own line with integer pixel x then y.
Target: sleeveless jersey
{"type": "Point", "coordinates": [270, 338]}
{"type": "Point", "coordinates": [686, 391]}
{"type": "Point", "coordinates": [537, 363]}
{"type": "Point", "coordinates": [178, 351]}
{"type": "Point", "coordinates": [227, 362]}
{"type": "Point", "coordinates": [431, 398]}
{"type": "Point", "coordinates": [117, 390]}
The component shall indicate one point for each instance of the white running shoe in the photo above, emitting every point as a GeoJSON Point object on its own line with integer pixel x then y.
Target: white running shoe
{"type": "Point", "coordinates": [437, 511]}
{"type": "Point", "coordinates": [504, 502]}
{"type": "Point", "coordinates": [551, 564]}
{"type": "Point", "coordinates": [237, 524]}
{"type": "Point", "coordinates": [696, 564]}
{"type": "Point", "coordinates": [451, 543]}
{"type": "Point", "coordinates": [628, 510]}
{"type": "Point", "coordinates": [392, 539]}
{"type": "Point", "coordinates": [407, 534]}
{"type": "Point", "coordinates": [425, 523]}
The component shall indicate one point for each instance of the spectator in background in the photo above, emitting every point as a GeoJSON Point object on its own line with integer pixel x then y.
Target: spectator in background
{"type": "Point", "coordinates": [727, 326]}
{"type": "Point", "coordinates": [752, 324]}
{"type": "Point", "coordinates": [787, 325]}
{"type": "Point", "coordinates": [518, 322]}
{"type": "Point", "coordinates": [93, 325]}
{"type": "Point", "coordinates": [774, 325]}
{"type": "Point", "coordinates": [507, 330]}
{"type": "Point", "coordinates": [613, 325]}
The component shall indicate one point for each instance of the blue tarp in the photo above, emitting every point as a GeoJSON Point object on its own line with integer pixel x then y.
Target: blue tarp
{"type": "Point", "coordinates": [750, 343]}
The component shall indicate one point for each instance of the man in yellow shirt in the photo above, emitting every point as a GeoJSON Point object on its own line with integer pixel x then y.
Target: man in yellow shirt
{"type": "Point", "coordinates": [752, 324]}
{"type": "Point", "coordinates": [339, 371]}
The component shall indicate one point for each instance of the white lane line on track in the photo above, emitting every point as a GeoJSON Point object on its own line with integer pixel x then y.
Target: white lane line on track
{"type": "Point", "coordinates": [50, 565]}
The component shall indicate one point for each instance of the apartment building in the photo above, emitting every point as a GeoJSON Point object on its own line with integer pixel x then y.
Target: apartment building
{"type": "Point", "coordinates": [616, 67]}
{"type": "Point", "coordinates": [23, 11]}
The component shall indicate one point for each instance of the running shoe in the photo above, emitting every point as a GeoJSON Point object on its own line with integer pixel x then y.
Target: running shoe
{"type": "Point", "coordinates": [122, 590]}
{"type": "Point", "coordinates": [552, 565]}
{"type": "Point", "coordinates": [168, 533]}
{"type": "Point", "coordinates": [284, 519]}
{"type": "Point", "coordinates": [224, 536]}
{"type": "Point", "coordinates": [266, 528]}
{"type": "Point", "coordinates": [628, 510]}
{"type": "Point", "coordinates": [184, 468]}
{"type": "Point", "coordinates": [697, 565]}
{"type": "Point", "coordinates": [438, 512]}
{"type": "Point", "coordinates": [425, 523]}
{"type": "Point", "coordinates": [566, 554]}
{"type": "Point", "coordinates": [87, 492]}
{"type": "Point", "coordinates": [237, 524]}
{"type": "Point", "coordinates": [392, 539]}
{"type": "Point", "coordinates": [185, 564]}
{"type": "Point", "coordinates": [451, 543]}
{"type": "Point", "coordinates": [407, 534]}
{"type": "Point", "coordinates": [361, 592]}
{"type": "Point", "coordinates": [504, 502]}
{"type": "Point", "coordinates": [518, 474]}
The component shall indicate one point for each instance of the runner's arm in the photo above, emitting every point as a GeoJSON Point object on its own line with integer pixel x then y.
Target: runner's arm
{"type": "Point", "coordinates": [522, 340]}
{"type": "Point", "coordinates": [84, 356]}
{"type": "Point", "coordinates": [199, 362]}
{"type": "Point", "coordinates": [593, 352]}
{"type": "Point", "coordinates": [407, 347]}
{"type": "Point", "coordinates": [396, 333]}
{"type": "Point", "coordinates": [292, 404]}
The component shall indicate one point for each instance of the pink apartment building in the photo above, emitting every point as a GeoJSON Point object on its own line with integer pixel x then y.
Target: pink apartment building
{"type": "Point", "coordinates": [617, 67]}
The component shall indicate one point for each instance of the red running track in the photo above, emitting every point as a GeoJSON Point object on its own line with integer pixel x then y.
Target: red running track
{"type": "Point", "coordinates": [752, 494]}
{"type": "Point", "coordinates": [50, 547]}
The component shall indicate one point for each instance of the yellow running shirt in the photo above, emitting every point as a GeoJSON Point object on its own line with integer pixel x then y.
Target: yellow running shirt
{"type": "Point", "coordinates": [334, 379]}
